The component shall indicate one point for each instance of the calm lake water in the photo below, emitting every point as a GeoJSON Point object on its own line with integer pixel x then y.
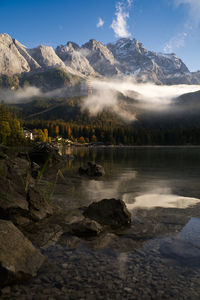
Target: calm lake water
{"type": "Point", "coordinates": [159, 256]}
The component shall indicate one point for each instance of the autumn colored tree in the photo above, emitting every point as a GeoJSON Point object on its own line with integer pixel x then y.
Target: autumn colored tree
{"type": "Point", "coordinates": [81, 140]}
{"type": "Point", "coordinates": [57, 130]}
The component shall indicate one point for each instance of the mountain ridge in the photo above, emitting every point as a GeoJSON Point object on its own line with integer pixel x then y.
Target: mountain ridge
{"type": "Point", "coordinates": [125, 57]}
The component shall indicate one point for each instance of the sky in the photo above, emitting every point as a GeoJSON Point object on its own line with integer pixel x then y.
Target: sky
{"type": "Point", "coordinates": [161, 25]}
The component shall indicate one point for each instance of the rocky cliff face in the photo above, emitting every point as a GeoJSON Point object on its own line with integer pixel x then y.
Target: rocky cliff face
{"type": "Point", "coordinates": [124, 57]}
{"type": "Point", "coordinates": [145, 65]}
{"type": "Point", "coordinates": [72, 56]}
{"type": "Point", "coordinates": [16, 59]}
{"type": "Point", "coordinates": [101, 58]}
{"type": "Point", "coordinates": [11, 60]}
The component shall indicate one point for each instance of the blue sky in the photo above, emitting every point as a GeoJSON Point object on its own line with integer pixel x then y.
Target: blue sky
{"type": "Point", "coordinates": [161, 25]}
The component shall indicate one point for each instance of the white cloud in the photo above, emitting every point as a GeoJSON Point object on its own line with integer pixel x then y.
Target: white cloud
{"type": "Point", "coordinates": [119, 24]}
{"type": "Point", "coordinates": [150, 97]}
{"type": "Point", "coordinates": [100, 23]}
{"type": "Point", "coordinates": [175, 42]}
{"type": "Point", "coordinates": [194, 9]}
{"type": "Point", "coordinates": [192, 22]}
{"type": "Point", "coordinates": [129, 2]}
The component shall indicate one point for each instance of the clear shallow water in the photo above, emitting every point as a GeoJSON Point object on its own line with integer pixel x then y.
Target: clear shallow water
{"type": "Point", "coordinates": [157, 258]}
{"type": "Point", "coordinates": [142, 177]}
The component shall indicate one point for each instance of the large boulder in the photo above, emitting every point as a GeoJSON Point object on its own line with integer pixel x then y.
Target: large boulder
{"type": "Point", "coordinates": [39, 208]}
{"type": "Point", "coordinates": [19, 259]}
{"type": "Point", "coordinates": [109, 212]}
{"type": "Point", "coordinates": [92, 170]}
{"type": "Point", "coordinates": [13, 203]}
{"type": "Point", "coordinates": [44, 152]}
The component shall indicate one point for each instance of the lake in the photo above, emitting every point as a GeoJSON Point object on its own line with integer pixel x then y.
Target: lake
{"type": "Point", "coordinates": [158, 257]}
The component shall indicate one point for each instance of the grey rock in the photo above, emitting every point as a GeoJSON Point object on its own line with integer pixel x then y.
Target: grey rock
{"type": "Point", "coordinates": [13, 203]}
{"type": "Point", "coordinates": [44, 234]}
{"type": "Point", "coordinates": [86, 228]}
{"type": "Point", "coordinates": [92, 170]}
{"type": "Point", "coordinates": [38, 206]}
{"type": "Point", "coordinates": [19, 259]}
{"type": "Point", "coordinates": [109, 212]}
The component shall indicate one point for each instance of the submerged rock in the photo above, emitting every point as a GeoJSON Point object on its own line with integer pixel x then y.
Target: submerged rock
{"type": "Point", "coordinates": [109, 212]}
{"type": "Point", "coordinates": [19, 259]}
{"type": "Point", "coordinates": [92, 170]}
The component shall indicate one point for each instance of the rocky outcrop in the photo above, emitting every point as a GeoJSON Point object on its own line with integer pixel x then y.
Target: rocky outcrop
{"type": "Point", "coordinates": [135, 59]}
{"type": "Point", "coordinates": [44, 152]}
{"type": "Point", "coordinates": [11, 61]}
{"type": "Point", "coordinates": [92, 170]}
{"type": "Point", "coordinates": [33, 64]}
{"type": "Point", "coordinates": [20, 200]}
{"type": "Point", "coordinates": [46, 57]}
{"type": "Point", "coordinates": [111, 213]}
{"type": "Point", "coordinates": [16, 58]}
{"type": "Point", "coordinates": [126, 56]}
{"type": "Point", "coordinates": [100, 58]}
{"type": "Point", "coordinates": [19, 259]}
{"type": "Point", "coordinates": [38, 207]}
{"type": "Point", "coordinates": [72, 56]}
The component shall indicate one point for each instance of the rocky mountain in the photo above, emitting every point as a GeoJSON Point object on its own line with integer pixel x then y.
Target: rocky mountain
{"type": "Point", "coordinates": [17, 59]}
{"type": "Point", "coordinates": [72, 56]}
{"type": "Point", "coordinates": [125, 57]}
{"type": "Point", "coordinates": [14, 59]}
{"type": "Point", "coordinates": [146, 65]}
{"type": "Point", "coordinates": [101, 58]}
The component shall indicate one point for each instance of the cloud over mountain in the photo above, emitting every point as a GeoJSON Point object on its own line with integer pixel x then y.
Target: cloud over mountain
{"type": "Point", "coordinates": [119, 23]}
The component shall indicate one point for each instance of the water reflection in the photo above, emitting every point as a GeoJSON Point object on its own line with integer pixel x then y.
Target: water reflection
{"type": "Point", "coordinates": [153, 200]}
{"type": "Point", "coordinates": [158, 257]}
{"type": "Point", "coordinates": [191, 232]}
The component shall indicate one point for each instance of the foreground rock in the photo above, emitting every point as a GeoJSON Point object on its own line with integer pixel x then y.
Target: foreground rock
{"type": "Point", "coordinates": [38, 207]}
{"type": "Point", "coordinates": [21, 201]}
{"type": "Point", "coordinates": [45, 152]}
{"type": "Point", "coordinates": [92, 170]}
{"type": "Point", "coordinates": [19, 259]}
{"type": "Point", "coordinates": [109, 212]}
{"type": "Point", "coordinates": [86, 228]}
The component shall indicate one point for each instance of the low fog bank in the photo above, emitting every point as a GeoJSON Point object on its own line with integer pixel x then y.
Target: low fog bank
{"type": "Point", "coordinates": [149, 98]}
{"type": "Point", "coordinates": [123, 97]}
{"type": "Point", "coordinates": [26, 94]}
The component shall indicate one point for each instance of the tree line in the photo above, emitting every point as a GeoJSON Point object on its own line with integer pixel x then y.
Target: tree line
{"type": "Point", "coordinates": [110, 133]}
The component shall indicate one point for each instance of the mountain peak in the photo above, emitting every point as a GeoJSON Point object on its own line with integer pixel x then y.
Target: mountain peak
{"type": "Point", "coordinates": [5, 36]}
{"type": "Point", "coordinates": [125, 56]}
